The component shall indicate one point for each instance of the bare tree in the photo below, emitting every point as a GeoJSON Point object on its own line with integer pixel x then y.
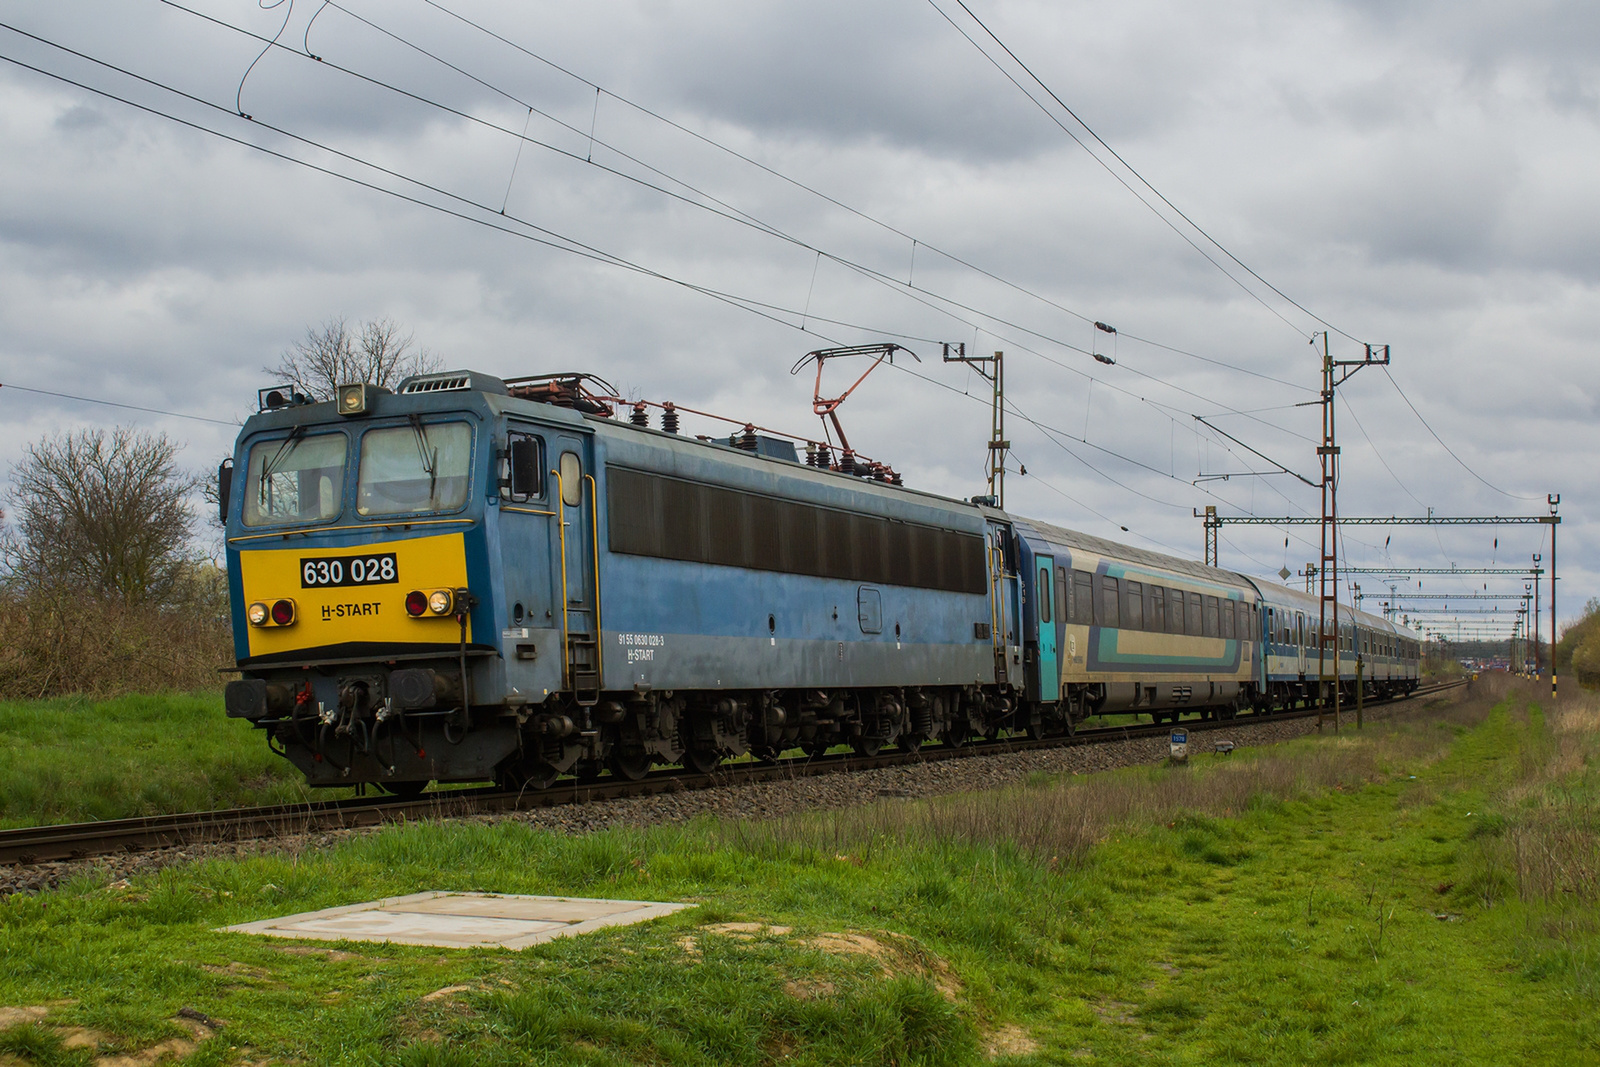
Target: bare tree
{"type": "Point", "coordinates": [100, 515]}
{"type": "Point", "coordinates": [331, 356]}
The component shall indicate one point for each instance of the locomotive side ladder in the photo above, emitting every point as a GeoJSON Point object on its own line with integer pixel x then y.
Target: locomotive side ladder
{"type": "Point", "coordinates": [580, 579]}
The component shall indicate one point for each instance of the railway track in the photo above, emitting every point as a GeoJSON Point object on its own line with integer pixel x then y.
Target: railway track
{"type": "Point", "coordinates": [72, 841]}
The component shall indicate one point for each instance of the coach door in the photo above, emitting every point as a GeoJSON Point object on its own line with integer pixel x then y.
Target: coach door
{"type": "Point", "coordinates": [1302, 635]}
{"type": "Point", "coordinates": [1003, 595]}
{"type": "Point", "coordinates": [1044, 606]}
{"type": "Point", "coordinates": [577, 569]}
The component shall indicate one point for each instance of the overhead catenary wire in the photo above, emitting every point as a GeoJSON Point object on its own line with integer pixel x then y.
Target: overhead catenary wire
{"type": "Point", "coordinates": [727, 210]}
{"type": "Point", "coordinates": [1129, 167]}
{"type": "Point", "coordinates": [115, 404]}
{"type": "Point", "coordinates": [1447, 448]}
{"type": "Point", "coordinates": [1115, 176]}
{"type": "Point", "coordinates": [804, 315]}
{"type": "Point", "coordinates": [1053, 435]}
{"type": "Point", "coordinates": [746, 303]}
{"type": "Point", "coordinates": [552, 239]}
{"type": "Point", "coordinates": [1181, 214]}
{"type": "Point", "coordinates": [915, 240]}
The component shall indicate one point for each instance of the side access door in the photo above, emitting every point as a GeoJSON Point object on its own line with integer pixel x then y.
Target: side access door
{"type": "Point", "coordinates": [577, 562]}
{"type": "Point", "coordinates": [1047, 686]}
{"type": "Point", "coordinates": [527, 534]}
{"type": "Point", "coordinates": [1302, 637]}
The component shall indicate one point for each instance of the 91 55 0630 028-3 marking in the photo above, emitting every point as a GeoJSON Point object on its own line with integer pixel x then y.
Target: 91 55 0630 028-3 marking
{"type": "Point", "coordinates": [377, 568]}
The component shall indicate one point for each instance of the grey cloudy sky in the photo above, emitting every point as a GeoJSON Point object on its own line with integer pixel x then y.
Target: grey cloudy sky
{"type": "Point", "coordinates": [1418, 174]}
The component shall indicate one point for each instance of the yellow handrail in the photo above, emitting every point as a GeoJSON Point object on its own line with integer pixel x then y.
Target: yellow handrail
{"type": "Point", "coordinates": [994, 596]}
{"type": "Point", "coordinates": [561, 527]}
{"type": "Point", "coordinates": [594, 530]}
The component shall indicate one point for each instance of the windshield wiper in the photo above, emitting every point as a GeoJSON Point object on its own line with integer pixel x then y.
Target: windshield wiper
{"type": "Point", "coordinates": [271, 467]}
{"type": "Point", "coordinates": [430, 457]}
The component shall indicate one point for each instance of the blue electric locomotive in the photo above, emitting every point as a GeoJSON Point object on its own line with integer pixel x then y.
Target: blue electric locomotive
{"type": "Point", "coordinates": [471, 578]}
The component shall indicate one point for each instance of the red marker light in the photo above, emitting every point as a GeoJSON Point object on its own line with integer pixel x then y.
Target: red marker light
{"type": "Point", "coordinates": [283, 612]}
{"type": "Point", "coordinates": [416, 603]}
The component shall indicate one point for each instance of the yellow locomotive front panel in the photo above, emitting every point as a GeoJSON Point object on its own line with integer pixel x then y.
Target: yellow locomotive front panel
{"type": "Point", "coordinates": [353, 594]}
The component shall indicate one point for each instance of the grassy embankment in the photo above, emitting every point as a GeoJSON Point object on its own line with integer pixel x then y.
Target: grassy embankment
{"type": "Point", "coordinates": [73, 759]}
{"type": "Point", "coordinates": [1423, 893]}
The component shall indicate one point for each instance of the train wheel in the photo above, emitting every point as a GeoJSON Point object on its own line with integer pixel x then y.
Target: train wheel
{"type": "Point", "coordinates": [629, 765]}
{"type": "Point", "coordinates": [955, 736]}
{"type": "Point", "coordinates": [405, 790]}
{"type": "Point", "coordinates": [867, 747]}
{"type": "Point", "coordinates": [532, 774]}
{"type": "Point", "coordinates": [701, 760]}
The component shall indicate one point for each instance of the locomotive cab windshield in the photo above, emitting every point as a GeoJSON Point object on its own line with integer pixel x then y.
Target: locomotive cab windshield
{"type": "Point", "coordinates": [409, 468]}
{"type": "Point", "coordinates": [419, 467]}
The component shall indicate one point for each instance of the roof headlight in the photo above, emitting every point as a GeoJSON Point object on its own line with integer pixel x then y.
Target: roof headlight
{"type": "Point", "coordinates": [353, 399]}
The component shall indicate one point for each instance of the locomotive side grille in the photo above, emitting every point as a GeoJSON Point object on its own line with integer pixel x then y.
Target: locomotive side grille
{"type": "Point", "coordinates": [670, 518]}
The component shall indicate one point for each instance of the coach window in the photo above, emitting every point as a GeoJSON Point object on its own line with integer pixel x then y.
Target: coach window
{"type": "Point", "coordinates": [1175, 612]}
{"type": "Point", "coordinates": [295, 479]}
{"type": "Point", "coordinates": [1044, 594]}
{"type": "Point", "coordinates": [1109, 594]}
{"type": "Point", "coordinates": [1191, 617]}
{"type": "Point", "coordinates": [1227, 619]}
{"type": "Point", "coordinates": [1083, 598]}
{"type": "Point", "coordinates": [1132, 605]}
{"type": "Point", "coordinates": [1063, 595]}
{"type": "Point", "coordinates": [1156, 618]}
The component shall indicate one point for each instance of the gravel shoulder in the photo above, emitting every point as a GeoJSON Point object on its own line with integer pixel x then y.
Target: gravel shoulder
{"type": "Point", "coordinates": [756, 801]}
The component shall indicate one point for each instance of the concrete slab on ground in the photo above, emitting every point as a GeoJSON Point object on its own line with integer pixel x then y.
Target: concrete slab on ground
{"type": "Point", "coordinates": [460, 920]}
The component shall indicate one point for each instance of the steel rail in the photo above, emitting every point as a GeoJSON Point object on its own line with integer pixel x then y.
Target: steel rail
{"type": "Point", "coordinates": [73, 841]}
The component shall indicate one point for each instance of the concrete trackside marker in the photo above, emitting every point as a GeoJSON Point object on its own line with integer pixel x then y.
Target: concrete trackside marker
{"type": "Point", "coordinates": [460, 920]}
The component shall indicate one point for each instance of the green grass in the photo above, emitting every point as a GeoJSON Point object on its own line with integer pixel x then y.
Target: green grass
{"type": "Point", "coordinates": [1377, 921]}
{"type": "Point", "coordinates": [72, 760]}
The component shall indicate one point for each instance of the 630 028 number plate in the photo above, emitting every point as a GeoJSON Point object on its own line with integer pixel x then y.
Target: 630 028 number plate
{"type": "Point", "coordinates": [377, 568]}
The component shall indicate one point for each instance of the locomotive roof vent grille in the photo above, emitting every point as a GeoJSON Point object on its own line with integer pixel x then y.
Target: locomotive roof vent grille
{"type": "Point", "coordinates": [451, 382]}
{"type": "Point", "coordinates": [436, 385]}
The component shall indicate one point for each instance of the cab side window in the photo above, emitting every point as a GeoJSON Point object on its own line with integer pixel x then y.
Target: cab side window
{"type": "Point", "coordinates": [522, 468]}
